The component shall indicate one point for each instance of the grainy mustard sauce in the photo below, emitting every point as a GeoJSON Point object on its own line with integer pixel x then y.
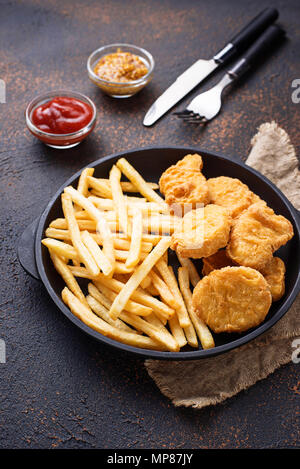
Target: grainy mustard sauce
{"type": "Point", "coordinates": [120, 67]}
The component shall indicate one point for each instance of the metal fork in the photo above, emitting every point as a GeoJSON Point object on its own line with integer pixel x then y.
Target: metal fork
{"type": "Point", "coordinates": [207, 105]}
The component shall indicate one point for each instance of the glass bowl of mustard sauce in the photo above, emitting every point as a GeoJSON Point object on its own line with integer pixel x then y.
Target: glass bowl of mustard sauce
{"type": "Point", "coordinates": [120, 70]}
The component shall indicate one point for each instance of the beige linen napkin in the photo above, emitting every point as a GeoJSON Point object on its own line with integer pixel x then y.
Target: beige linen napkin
{"type": "Point", "coordinates": [201, 383]}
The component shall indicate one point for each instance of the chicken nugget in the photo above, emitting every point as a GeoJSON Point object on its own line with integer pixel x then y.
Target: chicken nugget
{"type": "Point", "coordinates": [230, 193]}
{"type": "Point", "coordinates": [256, 234]}
{"type": "Point", "coordinates": [232, 299]}
{"type": "Point", "coordinates": [183, 184]}
{"type": "Point", "coordinates": [274, 273]}
{"type": "Point", "coordinates": [202, 232]}
{"type": "Point", "coordinates": [216, 261]}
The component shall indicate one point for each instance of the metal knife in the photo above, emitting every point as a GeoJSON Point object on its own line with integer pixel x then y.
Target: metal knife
{"type": "Point", "coordinates": [203, 68]}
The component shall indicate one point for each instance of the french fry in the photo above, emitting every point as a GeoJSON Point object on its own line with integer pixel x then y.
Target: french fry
{"type": "Point", "coordinates": [102, 188]}
{"type": "Point", "coordinates": [102, 312]}
{"type": "Point", "coordinates": [58, 234]}
{"type": "Point", "coordinates": [191, 335]}
{"type": "Point", "coordinates": [160, 309]}
{"type": "Point", "coordinates": [162, 336]}
{"type": "Point", "coordinates": [134, 253]}
{"type": "Point", "coordinates": [130, 198]}
{"type": "Point", "coordinates": [193, 274]}
{"type": "Point", "coordinates": [73, 229]}
{"type": "Point", "coordinates": [119, 200]}
{"type": "Point", "coordinates": [101, 202]}
{"type": "Point", "coordinates": [82, 272]}
{"type": "Point", "coordinates": [83, 184]}
{"type": "Point", "coordinates": [151, 238]}
{"type": "Point", "coordinates": [139, 274]}
{"type": "Point", "coordinates": [81, 215]}
{"type": "Point", "coordinates": [102, 225]}
{"type": "Point", "coordinates": [122, 255]}
{"type": "Point", "coordinates": [129, 187]}
{"type": "Point", "coordinates": [100, 258]}
{"type": "Point", "coordinates": [182, 313]}
{"type": "Point", "coordinates": [123, 244]}
{"type": "Point", "coordinates": [152, 290]}
{"type": "Point", "coordinates": [61, 249]}
{"type": "Point", "coordinates": [121, 278]}
{"type": "Point", "coordinates": [152, 225]}
{"type": "Point", "coordinates": [202, 330]}
{"type": "Point", "coordinates": [68, 277]}
{"type": "Point", "coordinates": [139, 182]}
{"type": "Point", "coordinates": [131, 306]}
{"type": "Point", "coordinates": [158, 323]}
{"type": "Point", "coordinates": [154, 320]}
{"type": "Point", "coordinates": [168, 275]}
{"type": "Point", "coordinates": [95, 292]}
{"type": "Point", "coordinates": [75, 262]}
{"type": "Point", "coordinates": [91, 320]}
{"type": "Point", "coordinates": [119, 243]}
{"type": "Point", "coordinates": [177, 331]}
{"type": "Point", "coordinates": [61, 224]}
{"type": "Point", "coordinates": [165, 257]}
{"type": "Point", "coordinates": [146, 282]}
{"type": "Point", "coordinates": [163, 290]}
{"type": "Point", "coordinates": [158, 333]}
{"type": "Point", "coordinates": [159, 225]}
{"type": "Point", "coordinates": [143, 206]}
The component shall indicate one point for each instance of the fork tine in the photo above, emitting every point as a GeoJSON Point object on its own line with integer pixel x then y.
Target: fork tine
{"type": "Point", "coordinates": [194, 119]}
{"type": "Point", "coordinates": [183, 113]}
{"type": "Point", "coordinates": [185, 117]}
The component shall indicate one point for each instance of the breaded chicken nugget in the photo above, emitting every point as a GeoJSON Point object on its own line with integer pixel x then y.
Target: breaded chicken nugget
{"type": "Point", "coordinates": [230, 193]}
{"type": "Point", "coordinates": [232, 299]}
{"type": "Point", "coordinates": [274, 273]}
{"type": "Point", "coordinates": [202, 232]}
{"type": "Point", "coordinates": [256, 234]}
{"type": "Point", "coordinates": [184, 183]}
{"type": "Point", "coordinates": [216, 261]}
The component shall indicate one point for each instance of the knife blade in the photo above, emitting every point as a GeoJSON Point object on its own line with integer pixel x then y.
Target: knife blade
{"type": "Point", "coordinates": [203, 68]}
{"type": "Point", "coordinates": [182, 86]}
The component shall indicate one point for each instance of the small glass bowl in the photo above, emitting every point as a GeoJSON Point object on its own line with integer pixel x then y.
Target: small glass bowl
{"type": "Point", "coordinates": [123, 89]}
{"type": "Point", "coordinates": [60, 141]}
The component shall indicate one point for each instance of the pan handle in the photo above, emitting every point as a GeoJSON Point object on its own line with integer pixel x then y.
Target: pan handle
{"type": "Point", "coordinates": [25, 250]}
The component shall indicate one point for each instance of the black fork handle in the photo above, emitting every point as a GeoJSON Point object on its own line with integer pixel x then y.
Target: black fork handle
{"type": "Point", "coordinates": [247, 35]}
{"type": "Point", "coordinates": [261, 46]}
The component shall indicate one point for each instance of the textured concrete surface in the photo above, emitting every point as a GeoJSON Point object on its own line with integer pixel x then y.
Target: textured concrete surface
{"type": "Point", "coordinates": [59, 389]}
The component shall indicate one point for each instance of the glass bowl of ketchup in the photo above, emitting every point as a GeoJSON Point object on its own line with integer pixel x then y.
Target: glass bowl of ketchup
{"type": "Point", "coordinates": [61, 119]}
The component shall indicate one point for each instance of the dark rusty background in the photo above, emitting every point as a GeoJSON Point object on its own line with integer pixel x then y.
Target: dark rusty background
{"type": "Point", "coordinates": [60, 389]}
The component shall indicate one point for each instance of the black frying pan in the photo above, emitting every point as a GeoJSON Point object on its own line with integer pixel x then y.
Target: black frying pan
{"type": "Point", "coordinates": [151, 162]}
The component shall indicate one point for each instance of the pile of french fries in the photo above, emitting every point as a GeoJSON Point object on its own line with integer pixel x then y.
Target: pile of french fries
{"type": "Point", "coordinates": [120, 243]}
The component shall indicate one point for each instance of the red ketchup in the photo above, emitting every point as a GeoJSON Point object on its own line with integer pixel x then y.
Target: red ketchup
{"type": "Point", "coordinates": [62, 115]}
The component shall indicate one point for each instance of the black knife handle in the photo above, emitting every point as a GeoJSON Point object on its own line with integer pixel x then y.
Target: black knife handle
{"type": "Point", "coordinates": [247, 35]}
{"type": "Point", "coordinates": [261, 46]}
